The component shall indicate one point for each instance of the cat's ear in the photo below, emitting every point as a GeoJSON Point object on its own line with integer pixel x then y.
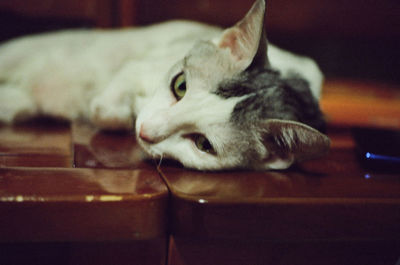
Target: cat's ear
{"type": "Point", "coordinates": [289, 141]}
{"type": "Point", "coordinates": [246, 40]}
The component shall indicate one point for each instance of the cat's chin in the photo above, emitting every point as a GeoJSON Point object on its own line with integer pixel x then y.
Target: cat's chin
{"type": "Point", "coordinates": [148, 150]}
{"type": "Point", "coordinates": [149, 153]}
{"type": "Point", "coordinates": [160, 159]}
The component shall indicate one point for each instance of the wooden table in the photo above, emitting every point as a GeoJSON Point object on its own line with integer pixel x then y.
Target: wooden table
{"type": "Point", "coordinates": [70, 194]}
{"type": "Point", "coordinates": [56, 210]}
{"type": "Point", "coordinates": [327, 211]}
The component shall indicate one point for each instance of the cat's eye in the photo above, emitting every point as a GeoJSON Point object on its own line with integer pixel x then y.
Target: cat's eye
{"type": "Point", "coordinates": [178, 86]}
{"type": "Point", "coordinates": [203, 144]}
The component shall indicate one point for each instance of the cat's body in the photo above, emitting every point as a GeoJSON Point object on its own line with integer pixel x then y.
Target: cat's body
{"type": "Point", "coordinates": [112, 78]}
{"type": "Point", "coordinates": [72, 68]}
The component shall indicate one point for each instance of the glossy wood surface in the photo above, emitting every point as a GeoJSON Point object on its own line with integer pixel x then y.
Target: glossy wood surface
{"type": "Point", "coordinates": [143, 252]}
{"type": "Point", "coordinates": [74, 195]}
{"type": "Point", "coordinates": [194, 251]}
{"type": "Point", "coordinates": [331, 198]}
{"type": "Point", "coordinates": [36, 144]}
{"type": "Point", "coordinates": [49, 204]}
{"type": "Point", "coordinates": [99, 149]}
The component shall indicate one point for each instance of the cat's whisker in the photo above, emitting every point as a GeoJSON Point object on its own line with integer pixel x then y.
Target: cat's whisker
{"type": "Point", "coordinates": [161, 158]}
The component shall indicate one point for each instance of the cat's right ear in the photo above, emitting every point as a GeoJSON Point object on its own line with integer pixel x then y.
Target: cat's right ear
{"type": "Point", "coordinates": [246, 40]}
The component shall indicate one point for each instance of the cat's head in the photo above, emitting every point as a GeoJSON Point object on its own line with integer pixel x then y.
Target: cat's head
{"type": "Point", "coordinates": [222, 107]}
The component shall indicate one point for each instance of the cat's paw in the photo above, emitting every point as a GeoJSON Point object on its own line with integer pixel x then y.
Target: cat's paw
{"type": "Point", "coordinates": [107, 115]}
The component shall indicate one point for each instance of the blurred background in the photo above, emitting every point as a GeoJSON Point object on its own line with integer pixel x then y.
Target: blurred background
{"type": "Point", "coordinates": [353, 40]}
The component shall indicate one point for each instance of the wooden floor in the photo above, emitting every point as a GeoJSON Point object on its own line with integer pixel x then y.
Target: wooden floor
{"type": "Point", "coordinates": [70, 194]}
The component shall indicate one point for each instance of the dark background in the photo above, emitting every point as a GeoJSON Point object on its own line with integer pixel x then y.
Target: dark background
{"type": "Point", "coordinates": [356, 39]}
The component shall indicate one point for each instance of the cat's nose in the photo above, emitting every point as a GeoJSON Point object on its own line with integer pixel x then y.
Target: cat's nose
{"type": "Point", "coordinates": [145, 137]}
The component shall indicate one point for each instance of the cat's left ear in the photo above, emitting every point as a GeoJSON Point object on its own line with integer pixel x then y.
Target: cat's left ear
{"type": "Point", "coordinates": [290, 141]}
{"type": "Point", "coordinates": [247, 40]}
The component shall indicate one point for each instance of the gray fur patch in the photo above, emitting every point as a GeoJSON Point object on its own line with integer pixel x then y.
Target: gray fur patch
{"type": "Point", "coordinates": [271, 97]}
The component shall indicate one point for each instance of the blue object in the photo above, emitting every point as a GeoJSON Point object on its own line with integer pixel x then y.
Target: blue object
{"type": "Point", "coordinates": [371, 156]}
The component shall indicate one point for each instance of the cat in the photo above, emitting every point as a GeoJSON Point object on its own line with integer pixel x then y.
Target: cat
{"type": "Point", "coordinates": [210, 98]}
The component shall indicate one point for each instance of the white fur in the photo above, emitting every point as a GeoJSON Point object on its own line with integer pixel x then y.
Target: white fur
{"type": "Point", "coordinates": [113, 77]}
{"type": "Point", "coordinates": [288, 64]}
{"type": "Point", "coordinates": [64, 72]}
